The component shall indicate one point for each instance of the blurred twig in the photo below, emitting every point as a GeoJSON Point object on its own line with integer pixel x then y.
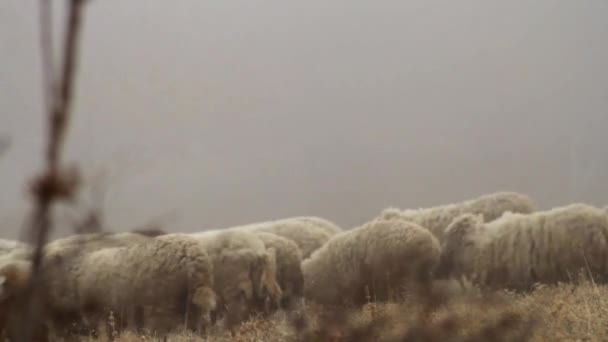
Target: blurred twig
{"type": "Point", "coordinates": [45, 18]}
{"type": "Point", "coordinates": [54, 182]}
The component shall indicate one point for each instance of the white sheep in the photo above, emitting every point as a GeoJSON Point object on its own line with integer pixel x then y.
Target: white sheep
{"type": "Point", "coordinates": [14, 277]}
{"type": "Point", "coordinates": [157, 284]}
{"type": "Point", "coordinates": [370, 262]}
{"type": "Point", "coordinates": [289, 270]}
{"type": "Point", "coordinates": [15, 250]}
{"type": "Point", "coordinates": [62, 265]}
{"type": "Point", "coordinates": [308, 236]}
{"type": "Point", "coordinates": [8, 246]}
{"type": "Point", "coordinates": [244, 272]}
{"type": "Point", "coordinates": [490, 206]}
{"type": "Point", "coordinates": [326, 225]}
{"type": "Point", "coordinates": [77, 244]}
{"type": "Point", "coordinates": [518, 250]}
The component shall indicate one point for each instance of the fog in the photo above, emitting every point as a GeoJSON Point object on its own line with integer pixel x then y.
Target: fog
{"type": "Point", "coordinates": [216, 113]}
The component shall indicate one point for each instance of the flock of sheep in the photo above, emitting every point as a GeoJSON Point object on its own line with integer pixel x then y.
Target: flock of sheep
{"type": "Point", "coordinates": [159, 282]}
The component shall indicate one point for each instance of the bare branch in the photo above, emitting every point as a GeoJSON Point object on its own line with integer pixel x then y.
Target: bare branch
{"type": "Point", "coordinates": [55, 182]}
{"type": "Point", "coordinates": [45, 16]}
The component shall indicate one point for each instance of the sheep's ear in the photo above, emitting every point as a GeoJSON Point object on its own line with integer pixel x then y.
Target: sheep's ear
{"type": "Point", "coordinates": [390, 213]}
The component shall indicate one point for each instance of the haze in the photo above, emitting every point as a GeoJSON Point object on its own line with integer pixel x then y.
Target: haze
{"type": "Point", "coordinates": [216, 113]}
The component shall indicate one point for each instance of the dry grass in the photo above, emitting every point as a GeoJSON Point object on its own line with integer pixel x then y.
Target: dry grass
{"type": "Point", "coordinates": [562, 313]}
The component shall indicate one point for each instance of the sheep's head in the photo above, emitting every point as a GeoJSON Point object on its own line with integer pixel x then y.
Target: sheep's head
{"type": "Point", "coordinates": [204, 297]}
{"type": "Point", "coordinates": [232, 275]}
{"type": "Point", "coordinates": [390, 213]}
{"type": "Point", "coordinates": [14, 277]}
{"type": "Point", "coordinates": [458, 243]}
{"type": "Point", "coordinates": [271, 291]}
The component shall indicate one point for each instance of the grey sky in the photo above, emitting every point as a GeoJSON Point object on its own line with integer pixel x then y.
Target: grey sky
{"type": "Point", "coordinates": [227, 112]}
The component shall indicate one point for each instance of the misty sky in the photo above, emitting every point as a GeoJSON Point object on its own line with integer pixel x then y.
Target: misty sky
{"type": "Point", "coordinates": [216, 113]}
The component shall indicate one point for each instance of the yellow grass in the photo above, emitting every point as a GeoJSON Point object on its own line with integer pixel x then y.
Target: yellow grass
{"type": "Point", "coordinates": [559, 313]}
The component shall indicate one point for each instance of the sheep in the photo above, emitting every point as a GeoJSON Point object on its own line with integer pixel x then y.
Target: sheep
{"type": "Point", "coordinates": [61, 258]}
{"type": "Point", "coordinates": [518, 250]}
{"type": "Point", "coordinates": [490, 206]}
{"type": "Point", "coordinates": [328, 226]}
{"type": "Point", "coordinates": [15, 250]}
{"type": "Point", "coordinates": [374, 259]}
{"type": "Point", "coordinates": [167, 279]}
{"type": "Point", "coordinates": [289, 270]}
{"type": "Point", "coordinates": [151, 231]}
{"type": "Point", "coordinates": [308, 236]}
{"type": "Point", "coordinates": [14, 276]}
{"type": "Point", "coordinates": [8, 246]}
{"type": "Point", "coordinates": [244, 272]}
{"type": "Point", "coordinates": [78, 244]}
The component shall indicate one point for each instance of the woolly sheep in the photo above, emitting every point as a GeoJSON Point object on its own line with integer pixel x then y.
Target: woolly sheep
{"type": "Point", "coordinates": [490, 206]}
{"type": "Point", "coordinates": [62, 256]}
{"type": "Point", "coordinates": [60, 260]}
{"type": "Point", "coordinates": [289, 270]}
{"type": "Point", "coordinates": [14, 250]}
{"type": "Point", "coordinates": [8, 246]}
{"type": "Point", "coordinates": [326, 225]}
{"type": "Point", "coordinates": [518, 250]}
{"type": "Point", "coordinates": [308, 236]}
{"type": "Point", "coordinates": [168, 278]}
{"type": "Point", "coordinates": [244, 272]}
{"type": "Point", "coordinates": [14, 276]}
{"type": "Point", "coordinates": [378, 257]}
{"type": "Point", "coordinates": [149, 231]}
{"type": "Point", "coordinates": [77, 244]}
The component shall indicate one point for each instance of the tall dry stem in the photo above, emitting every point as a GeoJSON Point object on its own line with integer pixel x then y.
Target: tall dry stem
{"type": "Point", "coordinates": [54, 182]}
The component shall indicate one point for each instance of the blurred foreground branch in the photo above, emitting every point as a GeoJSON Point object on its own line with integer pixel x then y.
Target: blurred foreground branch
{"type": "Point", "coordinates": [55, 182]}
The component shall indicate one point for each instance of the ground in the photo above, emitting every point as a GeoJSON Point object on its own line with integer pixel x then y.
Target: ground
{"type": "Point", "coordinates": [565, 312]}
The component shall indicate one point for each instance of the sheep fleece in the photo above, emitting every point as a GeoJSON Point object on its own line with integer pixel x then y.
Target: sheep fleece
{"type": "Point", "coordinates": [308, 236]}
{"type": "Point", "coordinates": [242, 267]}
{"type": "Point", "coordinates": [380, 256]}
{"type": "Point", "coordinates": [518, 250]}
{"type": "Point", "coordinates": [289, 270]}
{"type": "Point", "coordinates": [157, 274]}
{"type": "Point", "coordinates": [326, 225]}
{"type": "Point", "coordinates": [438, 218]}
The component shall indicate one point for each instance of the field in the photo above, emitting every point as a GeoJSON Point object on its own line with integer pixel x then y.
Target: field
{"type": "Point", "coordinates": [566, 312]}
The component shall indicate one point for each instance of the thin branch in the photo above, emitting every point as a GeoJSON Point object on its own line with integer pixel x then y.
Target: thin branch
{"type": "Point", "coordinates": [61, 107]}
{"type": "Point", "coordinates": [45, 17]}
{"type": "Point", "coordinates": [54, 183]}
